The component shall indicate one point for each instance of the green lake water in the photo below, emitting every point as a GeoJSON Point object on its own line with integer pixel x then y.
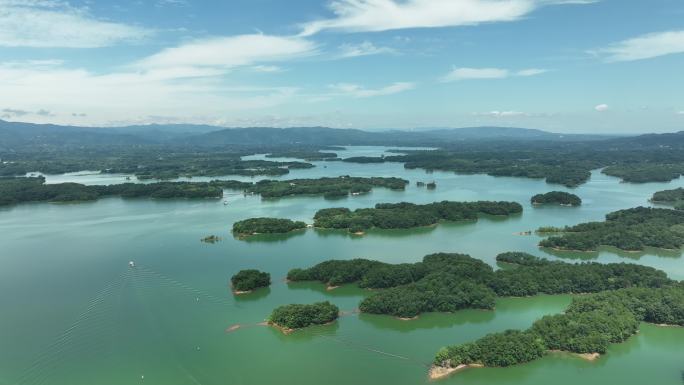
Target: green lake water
{"type": "Point", "coordinates": [74, 313]}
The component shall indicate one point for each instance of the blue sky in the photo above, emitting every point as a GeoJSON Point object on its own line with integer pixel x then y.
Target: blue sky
{"type": "Point", "coordinates": [562, 65]}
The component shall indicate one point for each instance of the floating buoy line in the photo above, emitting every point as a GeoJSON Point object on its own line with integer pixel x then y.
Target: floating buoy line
{"type": "Point", "coordinates": [95, 330]}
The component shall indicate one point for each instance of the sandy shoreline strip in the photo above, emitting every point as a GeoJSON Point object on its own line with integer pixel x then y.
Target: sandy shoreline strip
{"type": "Point", "coordinates": [439, 372]}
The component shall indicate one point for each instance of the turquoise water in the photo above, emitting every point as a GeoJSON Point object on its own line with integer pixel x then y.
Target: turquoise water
{"type": "Point", "coordinates": [74, 313]}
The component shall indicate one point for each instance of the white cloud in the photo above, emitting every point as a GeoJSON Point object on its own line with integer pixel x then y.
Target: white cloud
{"type": "Point", "coordinates": [383, 15]}
{"type": "Point", "coordinates": [267, 68]}
{"type": "Point", "coordinates": [601, 108]}
{"type": "Point", "coordinates": [46, 23]}
{"type": "Point", "coordinates": [504, 114]}
{"type": "Point", "coordinates": [131, 94]}
{"type": "Point", "coordinates": [363, 49]}
{"type": "Point", "coordinates": [680, 112]}
{"type": "Point", "coordinates": [458, 74]}
{"type": "Point", "coordinates": [359, 91]}
{"type": "Point", "coordinates": [229, 52]}
{"type": "Point", "coordinates": [531, 72]}
{"type": "Point", "coordinates": [644, 47]}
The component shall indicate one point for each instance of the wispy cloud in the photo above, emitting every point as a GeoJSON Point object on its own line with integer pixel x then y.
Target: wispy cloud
{"type": "Point", "coordinates": [643, 47]}
{"type": "Point", "coordinates": [358, 91]}
{"type": "Point", "coordinates": [363, 49]}
{"type": "Point", "coordinates": [57, 90]}
{"type": "Point", "coordinates": [503, 114]}
{"type": "Point", "coordinates": [267, 68]}
{"type": "Point", "coordinates": [464, 73]}
{"type": "Point", "coordinates": [384, 15]}
{"type": "Point", "coordinates": [53, 23]}
{"type": "Point", "coordinates": [229, 52]}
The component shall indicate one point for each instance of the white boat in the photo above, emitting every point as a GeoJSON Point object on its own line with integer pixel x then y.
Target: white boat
{"type": "Point", "coordinates": [225, 203]}
{"type": "Point", "coordinates": [131, 264]}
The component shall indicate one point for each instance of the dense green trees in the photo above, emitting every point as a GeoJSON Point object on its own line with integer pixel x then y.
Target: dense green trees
{"type": "Point", "coordinates": [248, 280]}
{"type": "Point", "coordinates": [643, 172]}
{"type": "Point", "coordinates": [448, 282]}
{"type": "Point", "coordinates": [308, 155]}
{"type": "Point", "coordinates": [556, 197]}
{"type": "Point", "coordinates": [567, 170]}
{"type": "Point", "coordinates": [296, 316]}
{"type": "Point", "coordinates": [589, 325]}
{"type": "Point", "coordinates": [674, 197]}
{"type": "Point", "coordinates": [631, 229]}
{"type": "Point", "coordinates": [329, 187]}
{"type": "Point", "coordinates": [498, 349]}
{"type": "Point", "coordinates": [408, 215]}
{"type": "Point", "coordinates": [364, 159]}
{"type": "Point", "coordinates": [255, 226]}
{"type": "Point", "coordinates": [18, 190]}
{"type": "Point", "coordinates": [148, 164]}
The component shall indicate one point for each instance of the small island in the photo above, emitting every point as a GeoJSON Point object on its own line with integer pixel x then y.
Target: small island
{"type": "Point", "coordinates": [587, 327]}
{"type": "Point", "coordinates": [447, 282]}
{"type": "Point", "coordinates": [409, 215]}
{"type": "Point", "coordinates": [211, 239]}
{"type": "Point", "coordinates": [628, 230]}
{"type": "Point", "coordinates": [556, 198]}
{"type": "Point", "coordinates": [245, 281]}
{"type": "Point", "coordinates": [289, 318]}
{"type": "Point", "coordinates": [255, 226]}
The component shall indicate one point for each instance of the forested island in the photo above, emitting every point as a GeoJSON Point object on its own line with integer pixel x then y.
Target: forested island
{"type": "Point", "coordinates": [364, 159]}
{"type": "Point", "coordinates": [289, 318]}
{"type": "Point", "coordinates": [308, 155]}
{"type": "Point", "coordinates": [568, 171]}
{"type": "Point", "coordinates": [328, 187]}
{"type": "Point", "coordinates": [255, 226]}
{"type": "Point", "coordinates": [446, 282]}
{"type": "Point", "coordinates": [247, 280]}
{"type": "Point", "coordinates": [646, 172]}
{"type": "Point", "coordinates": [34, 189]}
{"type": "Point", "coordinates": [588, 326]}
{"type": "Point", "coordinates": [556, 197]}
{"type": "Point", "coordinates": [409, 215]}
{"type": "Point", "coordinates": [154, 163]}
{"type": "Point", "coordinates": [673, 197]}
{"type": "Point", "coordinates": [629, 230]}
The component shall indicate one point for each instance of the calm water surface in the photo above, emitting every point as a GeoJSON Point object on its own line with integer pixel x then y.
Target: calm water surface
{"type": "Point", "coordinates": [73, 312]}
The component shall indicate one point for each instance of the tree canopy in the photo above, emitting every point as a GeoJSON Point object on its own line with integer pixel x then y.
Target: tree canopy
{"type": "Point", "coordinates": [556, 197]}
{"type": "Point", "coordinates": [408, 215]}
{"type": "Point", "coordinates": [248, 280]}
{"type": "Point", "coordinates": [297, 316]}
{"type": "Point", "coordinates": [631, 229]}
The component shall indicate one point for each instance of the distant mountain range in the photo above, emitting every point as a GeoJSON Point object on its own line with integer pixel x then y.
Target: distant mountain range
{"type": "Point", "coordinates": [16, 135]}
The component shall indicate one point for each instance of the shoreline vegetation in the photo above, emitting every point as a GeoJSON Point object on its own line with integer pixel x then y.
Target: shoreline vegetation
{"type": "Point", "coordinates": [629, 230]}
{"type": "Point", "coordinates": [589, 325]}
{"type": "Point", "coordinates": [556, 198]}
{"type": "Point", "coordinates": [289, 318]}
{"type": "Point", "coordinates": [14, 190]}
{"type": "Point", "coordinates": [246, 281]}
{"type": "Point", "coordinates": [673, 197]}
{"type": "Point", "coordinates": [336, 187]}
{"type": "Point", "coordinates": [408, 215]}
{"type": "Point", "coordinates": [256, 226]}
{"type": "Point", "coordinates": [33, 189]}
{"type": "Point", "coordinates": [447, 282]}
